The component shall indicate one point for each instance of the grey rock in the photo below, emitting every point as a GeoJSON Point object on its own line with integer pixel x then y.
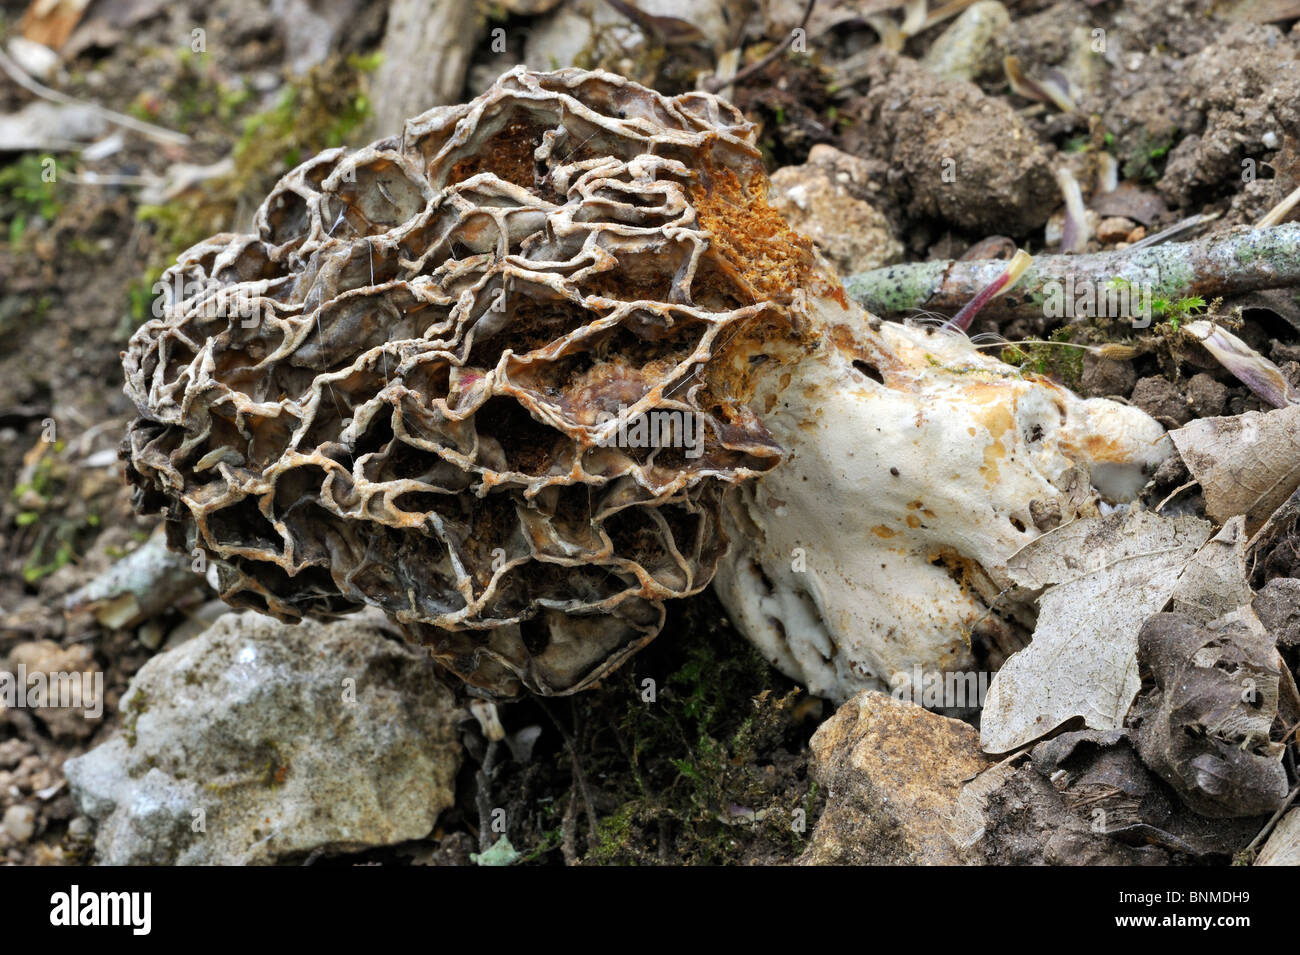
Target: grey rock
{"type": "Point", "coordinates": [818, 200]}
{"type": "Point", "coordinates": [586, 33]}
{"type": "Point", "coordinates": [259, 742]}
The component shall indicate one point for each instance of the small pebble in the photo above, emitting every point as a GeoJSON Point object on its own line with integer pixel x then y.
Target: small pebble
{"type": "Point", "coordinates": [1114, 229]}
{"type": "Point", "coordinates": [150, 634]}
{"type": "Point", "coordinates": [20, 822]}
{"type": "Point", "coordinates": [80, 828]}
{"type": "Point", "coordinates": [1206, 396]}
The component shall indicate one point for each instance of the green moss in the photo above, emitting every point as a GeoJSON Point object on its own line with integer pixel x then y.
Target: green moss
{"type": "Point", "coordinates": [27, 193]}
{"type": "Point", "coordinates": [704, 771]}
{"type": "Point", "coordinates": [1177, 311]}
{"type": "Point", "coordinates": [550, 839]}
{"type": "Point", "coordinates": [1145, 159]}
{"type": "Point", "coordinates": [1064, 364]}
{"type": "Point", "coordinates": [886, 291]}
{"type": "Point", "coordinates": [52, 534]}
{"type": "Point", "coordinates": [320, 113]}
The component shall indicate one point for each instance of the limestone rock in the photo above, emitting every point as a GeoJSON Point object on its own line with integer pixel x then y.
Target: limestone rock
{"type": "Point", "coordinates": [258, 742]}
{"type": "Point", "coordinates": [893, 772]}
{"type": "Point", "coordinates": [816, 198]}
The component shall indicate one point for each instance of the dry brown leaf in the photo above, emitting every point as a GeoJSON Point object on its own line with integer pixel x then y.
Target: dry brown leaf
{"type": "Point", "coordinates": [1246, 464]}
{"type": "Point", "coordinates": [1214, 582]}
{"type": "Point", "coordinates": [1204, 720]}
{"type": "Point", "coordinates": [1283, 846]}
{"type": "Point", "coordinates": [1105, 576]}
{"type": "Point", "coordinates": [50, 24]}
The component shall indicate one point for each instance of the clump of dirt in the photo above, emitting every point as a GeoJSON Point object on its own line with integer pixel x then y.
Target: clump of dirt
{"type": "Point", "coordinates": [792, 103]}
{"type": "Point", "coordinates": [959, 155]}
{"type": "Point", "coordinates": [1245, 101]}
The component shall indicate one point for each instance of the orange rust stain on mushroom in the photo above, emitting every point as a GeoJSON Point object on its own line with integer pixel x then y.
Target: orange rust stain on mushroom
{"type": "Point", "coordinates": [961, 569]}
{"type": "Point", "coordinates": [880, 530]}
{"type": "Point", "coordinates": [998, 420]}
{"type": "Point", "coordinates": [993, 451]}
{"type": "Point", "coordinates": [843, 338]}
{"type": "Point", "coordinates": [753, 257]}
{"type": "Point", "coordinates": [754, 241]}
{"type": "Point", "coordinates": [1103, 448]}
{"type": "Point", "coordinates": [508, 155]}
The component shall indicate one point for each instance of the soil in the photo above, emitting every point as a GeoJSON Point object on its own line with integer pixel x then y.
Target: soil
{"type": "Point", "coordinates": [715, 769]}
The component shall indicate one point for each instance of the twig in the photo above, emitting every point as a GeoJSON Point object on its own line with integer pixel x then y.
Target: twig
{"type": "Point", "coordinates": [944, 12]}
{"type": "Point", "coordinates": [19, 76]}
{"type": "Point", "coordinates": [569, 829]}
{"type": "Point", "coordinates": [1268, 826]}
{"type": "Point", "coordinates": [146, 582]}
{"type": "Point", "coordinates": [483, 797]}
{"type": "Point", "coordinates": [718, 83]}
{"type": "Point", "coordinates": [1280, 211]}
{"type": "Point", "coordinates": [1227, 263]}
{"type": "Point", "coordinates": [1182, 226]}
{"type": "Point", "coordinates": [579, 777]}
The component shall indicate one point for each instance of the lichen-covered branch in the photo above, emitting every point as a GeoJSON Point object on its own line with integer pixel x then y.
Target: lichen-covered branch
{"type": "Point", "coordinates": [1229, 263]}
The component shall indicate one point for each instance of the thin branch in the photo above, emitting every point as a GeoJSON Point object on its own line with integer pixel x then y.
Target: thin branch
{"type": "Point", "coordinates": [1226, 263]}
{"type": "Point", "coordinates": [579, 777]}
{"type": "Point", "coordinates": [1268, 826]}
{"type": "Point", "coordinates": [483, 797]}
{"type": "Point", "coordinates": [719, 83]}
{"type": "Point", "coordinates": [20, 76]}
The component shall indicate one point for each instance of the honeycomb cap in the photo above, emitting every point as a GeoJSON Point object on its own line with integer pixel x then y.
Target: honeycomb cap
{"type": "Point", "coordinates": [490, 376]}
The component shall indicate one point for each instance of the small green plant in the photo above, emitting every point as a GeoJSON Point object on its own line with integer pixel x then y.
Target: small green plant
{"type": "Point", "coordinates": [1175, 312]}
{"type": "Point", "coordinates": [1047, 358]}
{"type": "Point", "coordinates": [28, 191]}
{"type": "Point", "coordinates": [1146, 158]}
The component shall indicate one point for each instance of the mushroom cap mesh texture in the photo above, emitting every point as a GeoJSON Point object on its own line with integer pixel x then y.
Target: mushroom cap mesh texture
{"type": "Point", "coordinates": [399, 391]}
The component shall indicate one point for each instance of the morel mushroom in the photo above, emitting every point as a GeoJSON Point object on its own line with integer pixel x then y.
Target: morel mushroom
{"type": "Point", "coordinates": [519, 375]}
